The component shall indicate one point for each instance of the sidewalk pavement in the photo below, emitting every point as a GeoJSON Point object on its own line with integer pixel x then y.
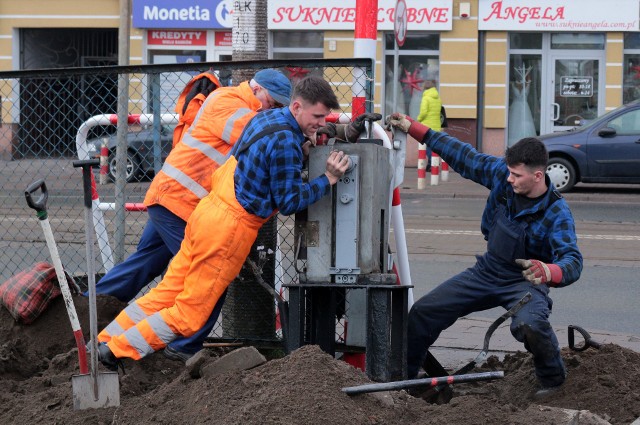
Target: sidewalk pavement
{"type": "Point", "coordinates": [463, 341]}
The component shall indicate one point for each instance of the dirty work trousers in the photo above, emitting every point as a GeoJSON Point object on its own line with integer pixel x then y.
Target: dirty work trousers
{"type": "Point", "coordinates": [197, 277]}
{"type": "Point", "coordinates": [494, 281]}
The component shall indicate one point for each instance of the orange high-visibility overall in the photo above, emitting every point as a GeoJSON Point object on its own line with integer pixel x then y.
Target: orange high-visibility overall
{"type": "Point", "coordinates": [206, 264]}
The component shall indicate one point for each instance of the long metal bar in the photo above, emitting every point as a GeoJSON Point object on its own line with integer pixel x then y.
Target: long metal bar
{"type": "Point", "coordinates": [424, 382]}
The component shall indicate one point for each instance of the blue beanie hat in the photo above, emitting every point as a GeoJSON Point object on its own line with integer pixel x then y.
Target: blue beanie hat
{"type": "Point", "coordinates": [278, 86]}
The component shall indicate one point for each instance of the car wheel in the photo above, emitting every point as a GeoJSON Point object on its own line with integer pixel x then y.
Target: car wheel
{"type": "Point", "coordinates": [133, 166]}
{"type": "Point", "coordinates": [562, 174]}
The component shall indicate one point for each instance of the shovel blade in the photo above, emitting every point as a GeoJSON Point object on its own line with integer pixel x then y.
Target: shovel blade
{"type": "Point", "coordinates": [84, 394]}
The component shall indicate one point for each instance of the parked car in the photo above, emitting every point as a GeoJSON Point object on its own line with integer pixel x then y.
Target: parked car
{"type": "Point", "coordinates": [139, 151]}
{"type": "Point", "coordinates": [604, 150]}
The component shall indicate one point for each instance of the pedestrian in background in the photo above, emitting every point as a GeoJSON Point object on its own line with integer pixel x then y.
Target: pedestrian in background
{"type": "Point", "coordinates": [184, 180]}
{"type": "Point", "coordinates": [263, 176]}
{"type": "Point", "coordinates": [531, 247]}
{"type": "Point", "coordinates": [430, 108]}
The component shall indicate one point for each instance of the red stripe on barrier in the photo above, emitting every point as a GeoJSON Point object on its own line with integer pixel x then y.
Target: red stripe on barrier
{"type": "Point", "coordinates": [131, 119]}
{"type": "Point", "coordinates": [422, 174]}
{"type": "Point", "coordinates": [135, 207]}
{"type": "Point", "coordinates": [395, 271]}
{"type": "Point", "coordinates": [332, 117]}
{"type": "Point", "coordinates": [357, 107]}
{"type": "Point", "coordinates": [422, 154]}
{"type": "Point", "coordinates": [445, 166]}
{"type": "Point", "coordinates": [395, 201]}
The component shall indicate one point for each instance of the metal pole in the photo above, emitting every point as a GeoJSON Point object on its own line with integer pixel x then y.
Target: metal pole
{"type": "Point", "coordinates": [157, 125]}
{"type": "Point", "coordinates": [425, 382]}
{"type": "Point", "coordinates": [121, 147]}
{"type": "Point", "coordinates": [482, 36]}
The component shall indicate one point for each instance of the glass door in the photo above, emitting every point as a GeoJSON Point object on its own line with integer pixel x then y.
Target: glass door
{"type": "Point", "coordinates": [576, 90]}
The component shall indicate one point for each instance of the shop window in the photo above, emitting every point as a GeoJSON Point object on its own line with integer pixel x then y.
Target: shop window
{"type": "Point", "coordinates": [631, 80]}
{"type": "Point", "coordinates": [525, 40]}
{"type": "Point", "coordinates": [418, 61]}
{"type": "Point", "coordinates": [577, 41]}
{"type": "Point", "coordinates": [525, 75]}
{"type": "Point", "coordinates": [297, 45]}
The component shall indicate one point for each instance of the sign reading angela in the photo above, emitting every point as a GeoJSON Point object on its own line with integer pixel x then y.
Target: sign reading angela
{"type": "Point", "coordinates": [200, 14]}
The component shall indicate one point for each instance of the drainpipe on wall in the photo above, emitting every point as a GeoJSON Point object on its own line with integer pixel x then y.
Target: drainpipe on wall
{"type": "Point", "coordinates": [480, 89]}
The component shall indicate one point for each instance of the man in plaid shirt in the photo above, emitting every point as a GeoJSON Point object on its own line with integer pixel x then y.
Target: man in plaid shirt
{"type": "Point", "coordinates": [531, 247]}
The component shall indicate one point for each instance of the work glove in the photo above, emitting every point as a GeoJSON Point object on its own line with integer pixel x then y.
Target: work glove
{"type": "Point", "coordinates": [407, 125]}
{"type": "Point", "coordinates": [538, 273]}
{"type": "Point", "coordinates": [348, 132]}
{"type": "Point", "coordinates": [399, 121]}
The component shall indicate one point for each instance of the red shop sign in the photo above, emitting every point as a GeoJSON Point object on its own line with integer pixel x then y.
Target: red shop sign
{"type": "Point", "coordinates": [176, 38]}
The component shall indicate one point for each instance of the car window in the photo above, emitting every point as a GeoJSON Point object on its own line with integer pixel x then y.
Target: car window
{"type": "Point", "coordinates": [628, 123]}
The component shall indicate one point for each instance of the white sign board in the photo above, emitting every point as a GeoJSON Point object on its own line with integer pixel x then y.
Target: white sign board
{"type": "Point", "coordinates": [559, 15]}
{"type": "Point", "coordinates": [434, 15]}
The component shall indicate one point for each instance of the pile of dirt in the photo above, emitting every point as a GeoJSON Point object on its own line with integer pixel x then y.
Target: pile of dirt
{"type": "Point", "coordinates": [37, 362]}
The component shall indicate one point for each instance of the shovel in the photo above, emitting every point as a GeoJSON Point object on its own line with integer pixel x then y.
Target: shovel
{"type": "Point", "coordinates": [40, 205]}
{"type": "Point", "coordinates": [97, 389]}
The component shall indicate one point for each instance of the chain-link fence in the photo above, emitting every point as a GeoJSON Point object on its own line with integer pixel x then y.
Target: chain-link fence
{"type": "Point", "coordinates": [52, 117]}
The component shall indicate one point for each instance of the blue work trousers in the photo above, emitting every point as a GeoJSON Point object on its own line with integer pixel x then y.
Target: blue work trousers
{"type": "Point", "coordinates": [160, 241]}
{"type": "Point", "coordinates": [476, 290]}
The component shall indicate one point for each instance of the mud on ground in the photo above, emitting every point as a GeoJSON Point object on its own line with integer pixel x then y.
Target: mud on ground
{"type": "Point", "coordinates": [38, 360]}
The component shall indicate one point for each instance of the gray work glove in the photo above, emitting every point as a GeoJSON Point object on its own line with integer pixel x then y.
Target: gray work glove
{"type": "Point", "coordinates": [348, 132]}
{"type": "Point", "coordinates": [398, 121]}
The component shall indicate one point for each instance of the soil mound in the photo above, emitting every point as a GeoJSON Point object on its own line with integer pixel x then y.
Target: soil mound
{"type": "Point", "coordinates": [305, 387]}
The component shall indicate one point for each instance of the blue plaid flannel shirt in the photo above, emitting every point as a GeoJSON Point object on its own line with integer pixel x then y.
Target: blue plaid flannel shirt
{"type": "Point", "coordinates": [551, 236]}
{"type": "Point", "coordinates": [269, 173]}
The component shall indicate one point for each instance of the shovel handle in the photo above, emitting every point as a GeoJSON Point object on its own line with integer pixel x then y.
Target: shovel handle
{"type": "Point", "coordinates": [588, 341]}
{"type": "Point", "coordinates": [40, 205]}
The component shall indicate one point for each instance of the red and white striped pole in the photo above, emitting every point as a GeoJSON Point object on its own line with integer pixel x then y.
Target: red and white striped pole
{"type": "Point", "coordinates": [444, 171]}
{"type": "Point", "coordinates": [104, 162]}
{"type": "Point", "coordinates": [364, 46]}
{"type": "Point", "coordinates": [422, 166]}
{"type": "Point", "coordinates": [435, 168]}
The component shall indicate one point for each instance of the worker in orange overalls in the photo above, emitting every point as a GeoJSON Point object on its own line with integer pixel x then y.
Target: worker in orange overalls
{"type": "Point", "coordinates": [205, 142]}
{"type": "Point", "coordinates": [263, 176]}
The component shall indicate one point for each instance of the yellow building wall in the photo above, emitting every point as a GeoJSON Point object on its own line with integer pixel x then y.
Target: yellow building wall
{"type": "Point", "coordinates": [459, 66]}
{"type": "Point", "coordinates": [614, 70]}
{"type": "Point", "coordinates": [496, 59]}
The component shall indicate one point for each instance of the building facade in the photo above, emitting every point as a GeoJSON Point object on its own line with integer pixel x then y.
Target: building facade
{"type": "Point", "coordinates": [505, 69]}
